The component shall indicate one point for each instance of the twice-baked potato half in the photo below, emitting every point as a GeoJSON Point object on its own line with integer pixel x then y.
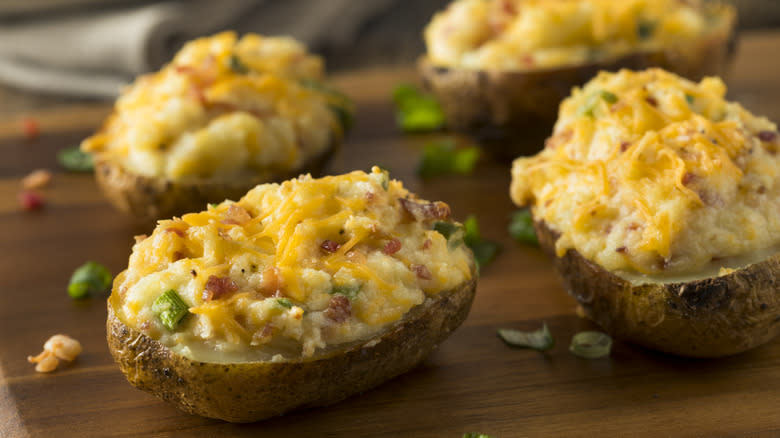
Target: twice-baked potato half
{"type": "Point", "coordinates": [500, 68]}
{"type": "Point", "coordinates": [297, 295]}
{"type": "Point", "coordinates": [659, 202]}
{"type": "Point", "coordinates": [225, 115]}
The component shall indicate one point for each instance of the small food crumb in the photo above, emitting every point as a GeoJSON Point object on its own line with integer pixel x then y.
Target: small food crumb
{"type": "Point", "coordinates": [36, 179]}
{"type": "Point", "coordinates": [724, 271]}
{"type": "Point", "coordinates": [30, 200]}
{"type": "Point", "coordinates": [57, 347]}
{"type": "Point", "coordinates": [30, 127]}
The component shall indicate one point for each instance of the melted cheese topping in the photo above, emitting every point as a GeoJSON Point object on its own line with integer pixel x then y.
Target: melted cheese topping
{"type": "Point", "coordinates": [313, 263]}
{"type": "Point", "coordinates": [531, 34]}
{"type": "Point", "coordinates": [224, 109]}
{"type": "Point", "coordinates": [651, 173]}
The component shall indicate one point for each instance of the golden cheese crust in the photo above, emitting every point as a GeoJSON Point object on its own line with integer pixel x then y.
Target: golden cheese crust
{"type": "Point", "coordinates": [653, 174]}
{"type": "Point", "coordinates": [292, 269]}
{"type": "Point", "coordinates": [522, 35]}
{"type": "Point", "coordinates": [224, 109]}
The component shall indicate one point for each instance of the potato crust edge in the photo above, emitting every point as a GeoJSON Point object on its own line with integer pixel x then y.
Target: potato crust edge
{"type": "Point", "coordinates": [711, 317]}
{"type": "Point", "coordinates": [252, 391]}
{"type": "Point", "coordinates": [511, 113]}
{"type": "Point", "coordinates": [150, 198]}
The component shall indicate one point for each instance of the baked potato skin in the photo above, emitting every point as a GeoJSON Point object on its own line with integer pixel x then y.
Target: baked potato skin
{"type": "Point", "coordinates": [247, 392]}
{"type": "Point", "coordinates": [712, 317]}
{"type": "Point", "coordinates": [511, 113]}
{"type": "Point", "coordinates": [147, 199]}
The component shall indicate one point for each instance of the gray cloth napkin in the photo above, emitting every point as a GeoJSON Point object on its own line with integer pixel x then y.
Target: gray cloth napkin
{"type": "Point", "coordinates": [94, 53]}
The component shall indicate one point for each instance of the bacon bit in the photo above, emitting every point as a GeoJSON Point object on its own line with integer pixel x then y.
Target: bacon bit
{"type": "Point", "coordinates": [651, 100]}
{"type": "Point", "coordinates": [622, 250]}
{"type": "Point", "coordinates": [624, 145]}
{"type": "Point", "coordinates": [264, 335]}
{"type": "Point", "coordinates": [329, 246]}
{"type": "Point", "coordinates": [688, 178]}
{"type": "Point", "coordinates": [178, 255]}
{"type": "Point", "coordinates": [528, 60]}
{"type": "Point", "coordinates": [710, 198]}
{"type": "Point", "coordinates": [557, 139]}
{"type": "Point", "coordinates": [427, 244]}
{"type": "Point", "coordinates": [30, 200]}
{"type": "Point", "coordinates": [339, 308]}
{"type": "Point", "coordinates": [421, 271]}
{"type": "Point", "coordinates": [30, 128]}
{"type": "Point", "coordinates": [36, 179]}
{"type": "Point", "coordinates": [392, 246]}
{"type": "Point", "coordinates": [767, 136]}
{"type": "Point", "coordinates": [57, 347]}
{"type": "Point", "coordinates": [508, 7]}
{"type": "Point", "coordinates": [357, 257]}
{"type": "Point", "coordinates": [140, 238]}
{"type": "Point", "coordinates": [370, 196]}
{"type": "Point", "coordinates": [175, 231]}
{"type": "Point", "coordinates": [272, 283]}
{"type": "Point", "coordinates": [218, 287]}
{"type": "Point", "coordinates": [425, 211]}
{"type": "Point", "coordinates": [548, 202]}
{"type": "Point", "coordinates": [761, 190]}
{"type": "Point", "coordinates": [633, 226]}
{"type": "Point", "coordinates": [236, 215]}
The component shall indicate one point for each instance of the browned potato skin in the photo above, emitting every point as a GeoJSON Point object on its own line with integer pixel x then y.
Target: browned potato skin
{"type": "Point", "coordinates": [511, 113]}
{"type": "Point", "coordinates": [246, 392]}
{"type": "Point", "coordinates": [150, 198]}
{"type": "Point", "coordinates": [712, 317]}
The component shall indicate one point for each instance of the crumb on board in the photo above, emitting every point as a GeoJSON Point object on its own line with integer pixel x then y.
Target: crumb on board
{"type": "Point", "coordinates": [36, 179]}
{"type": "Point", "coordinates": [57, 347]}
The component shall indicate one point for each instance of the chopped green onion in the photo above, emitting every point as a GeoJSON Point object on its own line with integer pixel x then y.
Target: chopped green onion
{"type": "Point", "coordinates": [645, 29]}
{"type": "Point", "coordinates": [591, 102]}
{"type": "Point", "coordinates": [446, 229]}
{"type": "Point", "coordinates": [521, 227]}
{"type": "Point", "coordinates": [416, 111]}
{"type": "Point", "coordinates": [170, 309]}
{"type": "Point", "coordinates": [591, 345]}
{"type": "Point", "coordinates": [539, 340]}
{"type": "Point", "coordinates": [349, 291]}
{"type": "Point", "coordinates": [452, 232]}
{"type": "Point", "coordinates": [442, 158]}
{"type": "Point", "coordinates": [609, 96]}
{"type": "Point", "coordinates": [484, 250]}
{"type": "Point", "coordinates": [284, 302]}
{"type": "Point", "coordinates": [471, 229]}
{"type": "Point", "coordinates": [384, 181]}
{"type": "Point", "coordinates": [476, 435]}
{"type": "Point", "coordinates": [89, 278]}
{"type": "Point", "coordinates": [690, 99]}
{"type": "Point", "coordinates": [237, 65]}
{"type": "Point", "coordinates": [74, 160]}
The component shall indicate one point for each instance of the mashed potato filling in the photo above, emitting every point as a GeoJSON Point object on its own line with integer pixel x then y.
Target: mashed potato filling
{"type": "Point", "coordinates": [533, 34]}
{"type": "Point", "coordinates": [223, 109]}
{"type": "Point", "coordinates": [291, 268]}
{"type": "Point", "coordinates": [650, 173]}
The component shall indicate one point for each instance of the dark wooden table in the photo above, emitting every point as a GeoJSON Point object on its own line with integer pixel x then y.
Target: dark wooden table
{"type": "Point", "coordinates": [473, 382]}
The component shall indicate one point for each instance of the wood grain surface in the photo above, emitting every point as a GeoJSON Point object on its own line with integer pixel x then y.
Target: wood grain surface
{"type": "Point", "coordinates": [472, 382]}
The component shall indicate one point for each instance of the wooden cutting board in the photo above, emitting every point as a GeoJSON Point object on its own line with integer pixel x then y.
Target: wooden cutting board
{"type": "Point", "coordinates": [471, 383]}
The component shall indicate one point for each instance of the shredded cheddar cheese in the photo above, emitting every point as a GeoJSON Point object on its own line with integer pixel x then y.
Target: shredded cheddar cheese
{"type": "Point", "coordinates": [224, 108]}
{"type": "Point", "coordinates": [271, 271]}
{"type": "Point", "coordinates": [664, 179]}
{"type": "Point", "coordinates": [532, 34]}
